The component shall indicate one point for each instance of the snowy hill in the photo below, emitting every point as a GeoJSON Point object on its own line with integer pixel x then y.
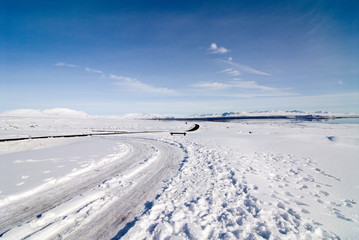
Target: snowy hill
{"type": "Point", "coordinates": [55, 112]}
{"type": "Point", "coordinates": [70, 113]}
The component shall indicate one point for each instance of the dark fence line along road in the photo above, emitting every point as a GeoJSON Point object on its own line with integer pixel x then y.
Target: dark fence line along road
{"type": "Point", "coordinates": [74, 135]}
{"type": "Point", "coordinates": [99, 133]}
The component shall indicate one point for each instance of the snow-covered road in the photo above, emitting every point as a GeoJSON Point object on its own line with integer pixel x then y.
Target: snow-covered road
{"type": "Point", "coordinates": [93, 200]}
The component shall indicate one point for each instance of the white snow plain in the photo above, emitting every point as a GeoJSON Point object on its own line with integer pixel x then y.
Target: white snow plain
{"type": "Point", "coordinates": [249, 179]}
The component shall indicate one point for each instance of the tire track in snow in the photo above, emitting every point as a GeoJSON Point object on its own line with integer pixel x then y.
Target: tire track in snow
{"type": "Point", "coordinates": [98, 203]}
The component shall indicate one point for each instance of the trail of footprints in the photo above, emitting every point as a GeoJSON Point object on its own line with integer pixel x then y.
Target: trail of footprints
{"type": "Point", "coordinates": [289, 172]}
{"type": "Point", "coordinates": [209, 199]}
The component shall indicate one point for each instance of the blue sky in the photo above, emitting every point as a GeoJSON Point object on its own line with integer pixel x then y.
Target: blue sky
{"type": "Point", "coordinates": [182, 57]}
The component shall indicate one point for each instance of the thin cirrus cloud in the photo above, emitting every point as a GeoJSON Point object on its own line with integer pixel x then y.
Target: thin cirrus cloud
{"type": "Point", "coordinates": [62, 64]}
{"type": "Point", "coordinates": [87, 69]}
{"type": "Point", "coordinates": [134, 84]}
{"type": "Point", "coordinates": [211, 85]}
{"type": "Point", "coordinates": [234, 84]}
{"type": "Point", "coordinates": [127, 82]}
{"type": "Point", "coordinates": [238, 67]}
{"type": "Point", "coordinates": [252, 85]}
{"type": "Point", "coordinates": [215, 49]}
{"type": "Point", "coordinates": [229, 88]}
{"type": "Point", "coordinates": [239, 89]}
{"type": "Point", "coordinates": [231, 72]}
{"type": "Point", "coordinates": [245, 68]}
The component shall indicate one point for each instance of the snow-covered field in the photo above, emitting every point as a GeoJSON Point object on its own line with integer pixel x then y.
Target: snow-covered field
{"type": "Point", "coordinates": [253, 179]}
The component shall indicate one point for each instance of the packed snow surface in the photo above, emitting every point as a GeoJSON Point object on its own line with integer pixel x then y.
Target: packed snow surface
{"type": "Point", "coordinates": [248, 179]}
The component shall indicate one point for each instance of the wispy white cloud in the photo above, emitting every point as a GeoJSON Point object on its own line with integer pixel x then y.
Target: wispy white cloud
{"type": "Point", "coordinates": [126, 82]}
{"type": "Point", "coordinates": [236, 68]}
{"type": "Point", "coordinates": [231, 72]}
{"type": "Point", "coordinates": [252, 85]}
{"type": "Point", "coordinates": [62, 64]}
{"type": "Point", "coordinates": [236, 83]}
{"type": "Point", "coordinates": [215, 49]}
{"type": "Point", "coordinates": [211, 85]}
{"type": "Point", "coordinates": [137, 85]}
{"type": "Point", "coordinates": [245, 68]}
{"type": "Point", "coordinates": [238, 89]}
{"type": "Point", "coordinates": [93, 70]}
{"type": "Point", "coordinates": [121, 78]}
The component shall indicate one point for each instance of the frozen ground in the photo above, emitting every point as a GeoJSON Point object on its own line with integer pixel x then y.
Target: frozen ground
{"type": "Point", "coordinates": [232, 180]}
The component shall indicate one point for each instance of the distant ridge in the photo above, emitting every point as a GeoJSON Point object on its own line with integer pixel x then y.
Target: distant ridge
{"type": "Point", "coordinates": [292, 115]}
{"type": "Point", "coordinates": [276, 114]}
{"type": "Point", "coordinates": [262, 113]}
{"type": "Point", "coordinates": [55, 112]}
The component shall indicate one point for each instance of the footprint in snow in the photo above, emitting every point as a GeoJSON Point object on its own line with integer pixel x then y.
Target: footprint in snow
{"type": "Point", "coordinates": [340, 215]}
{"type": "Point", "coordinates": [349, 203]}
{"type": "Point", "coordinates": [305, 211]}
